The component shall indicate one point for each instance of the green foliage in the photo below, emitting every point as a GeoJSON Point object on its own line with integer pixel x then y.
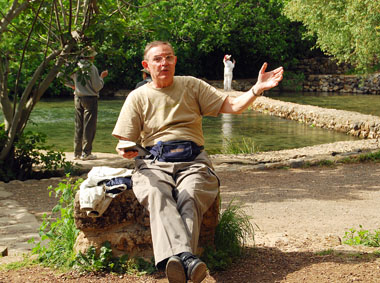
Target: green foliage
{"type": "Point", "coordinates": [201, 31]}
{"type": "Point", "coordinates": [293, 81]}
{"type": "Point", "coordinates": [362, 237]}
{"type": "Point", "coordinates": [30, 152]}
{"type": "Point", "coordinates": [58, 235]}
{"type": "Point", "coordinates": [57, 231]}
{"type": "Point", "coordinates": [237, 146]}
{"type": "Point", "coordinates": [105, 262]}
{"type": "Point", "coordinates": [367, 157]}
{"type": "Point", "coordinates": [373, 157]}
{"type": "Point", "coordinates": [233, 229]}
{"type": "Point", "coordinates": [348, 29]}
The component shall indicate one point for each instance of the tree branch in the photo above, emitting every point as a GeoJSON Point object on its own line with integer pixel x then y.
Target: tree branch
{"type": "Point", "coordinates": [13, 12]}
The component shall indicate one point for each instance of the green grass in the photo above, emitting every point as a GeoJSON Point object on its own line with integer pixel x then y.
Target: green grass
{"type": "Point", "coordinates": [236, 146]}
{"type": "Point", "coordinates": [27, 261]}
{"type": "Point", "coordinates": [233, 229]}
{"type": "Point", "coordinates": [366, 157]}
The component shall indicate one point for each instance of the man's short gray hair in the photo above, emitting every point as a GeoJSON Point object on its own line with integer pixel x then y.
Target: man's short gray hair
{"type": "Point", "coordinates": [152, 44]}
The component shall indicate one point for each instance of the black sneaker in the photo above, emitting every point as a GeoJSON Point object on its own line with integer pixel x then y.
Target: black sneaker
{"type": "Point", "coordinates": [196, 270]}
{"type": "Point", "coordinates": [175, 271]}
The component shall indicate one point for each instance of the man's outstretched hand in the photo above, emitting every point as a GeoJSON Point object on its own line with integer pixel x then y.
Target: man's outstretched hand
{"type": "Point", "coordinates": [268, 80]}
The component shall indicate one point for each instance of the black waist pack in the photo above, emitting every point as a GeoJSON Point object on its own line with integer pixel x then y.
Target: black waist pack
{"type": "Point", "coordinates": [175, 151]}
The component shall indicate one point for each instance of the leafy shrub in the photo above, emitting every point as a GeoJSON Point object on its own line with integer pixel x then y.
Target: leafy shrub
{"type": "Point", "coordinates": [58, 235]}
{"type": "Point", "coordinates": [59, 229]}
{"type": "Point", "coordinates": [362, 237]}
{"type": "Point", "coordinates": [30, 151]}
{"type": "Point", "coordinates": [293, 80]}
{"type": "Point", "coordinates": [104, 261]}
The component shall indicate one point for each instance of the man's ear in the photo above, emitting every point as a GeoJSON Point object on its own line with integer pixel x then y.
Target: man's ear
{"type": "Point", "coordinates": [145, 65]}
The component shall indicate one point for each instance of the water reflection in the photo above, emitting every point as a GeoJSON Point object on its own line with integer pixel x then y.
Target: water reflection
{"type": "Point", "coordinates": [227, 126]}
{"type": "Point", "coordinates": [268, 132]}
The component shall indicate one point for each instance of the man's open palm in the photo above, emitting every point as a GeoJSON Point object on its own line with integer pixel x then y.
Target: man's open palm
{"type": "Point", "coordinates": [268, 80]}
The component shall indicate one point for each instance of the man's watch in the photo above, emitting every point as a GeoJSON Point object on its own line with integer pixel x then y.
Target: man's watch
{"type": "Point", "coordinates": [254, 93]}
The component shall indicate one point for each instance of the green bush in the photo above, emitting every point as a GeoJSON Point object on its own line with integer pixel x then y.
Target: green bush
{"type": "Point", "coordinates": [293, 81]}
{"type": "Point", "coordinates": [105, 262]}
{"type": "Point", "coordinates": [58, 231]}
{"type": "Point", "coordinates": [58, 235]}
{"type": "Point", "coordinates": [362, 237]}
{"type": "Point", "coordinates": [30, 152]}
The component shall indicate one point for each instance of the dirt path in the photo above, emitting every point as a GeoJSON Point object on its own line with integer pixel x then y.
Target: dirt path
{"type": "Point", "coordinates": [299, 212]}
{"type": "Point", "coordinates": [307, 209]}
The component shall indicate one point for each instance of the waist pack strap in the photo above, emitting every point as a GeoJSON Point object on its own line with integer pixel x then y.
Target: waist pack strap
{"type": "Point", "coordinates": [175, 151]}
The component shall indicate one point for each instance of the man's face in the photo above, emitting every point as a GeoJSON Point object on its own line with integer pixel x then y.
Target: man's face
{"type": "Point", "coordinates": [160, 62]}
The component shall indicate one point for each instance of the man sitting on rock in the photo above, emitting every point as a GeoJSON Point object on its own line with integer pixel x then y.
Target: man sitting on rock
{"type": "Point", "coordinates": [176, 182]}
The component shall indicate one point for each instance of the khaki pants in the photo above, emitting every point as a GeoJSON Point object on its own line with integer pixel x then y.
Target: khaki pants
{"type": "Point", "coordinates": [86, 114]}
{"type": "Point", "coordinates": [177, 194]}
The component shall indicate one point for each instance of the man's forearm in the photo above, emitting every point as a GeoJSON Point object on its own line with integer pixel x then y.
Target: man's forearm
{"type": "Point", "coordinates": [237, 105]}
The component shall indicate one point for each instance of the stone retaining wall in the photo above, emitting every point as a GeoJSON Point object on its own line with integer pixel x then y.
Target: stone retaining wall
{"type": "Point", "coordinates": [353, 123]}
{"type": "Point", "coordinates": [343, 84]}
{"type": "Point", "coordinates": [321, 66]}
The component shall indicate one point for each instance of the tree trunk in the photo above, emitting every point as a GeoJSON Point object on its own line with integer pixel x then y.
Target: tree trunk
{"type": "Point", "coordinates": [30, 98]}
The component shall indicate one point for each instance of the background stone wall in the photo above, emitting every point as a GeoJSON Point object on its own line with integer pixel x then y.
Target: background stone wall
{"type": "Point", "coordinates": [343, 84]}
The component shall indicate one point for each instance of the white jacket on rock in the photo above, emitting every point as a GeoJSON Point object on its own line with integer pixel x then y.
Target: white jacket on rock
{"type": "Point", "coordinates": [94, 195]}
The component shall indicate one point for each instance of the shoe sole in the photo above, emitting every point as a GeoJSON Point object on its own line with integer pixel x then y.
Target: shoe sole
{"type": "Point", "coordinates": [175, 271]}
{"type": "Point", "coordinates": [199, 272]}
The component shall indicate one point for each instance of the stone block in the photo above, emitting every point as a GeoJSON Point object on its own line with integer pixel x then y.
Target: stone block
{"type": "Point", "coordinates": [125, 224]}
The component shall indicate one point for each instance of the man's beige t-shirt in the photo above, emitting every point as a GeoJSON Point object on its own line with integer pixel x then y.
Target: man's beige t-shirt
{"type": "Point", "coordinates": [150, 115]}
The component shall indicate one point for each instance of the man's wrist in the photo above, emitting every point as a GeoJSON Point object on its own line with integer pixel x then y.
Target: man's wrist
{"type": "Point", "coordinates": [255, 93]}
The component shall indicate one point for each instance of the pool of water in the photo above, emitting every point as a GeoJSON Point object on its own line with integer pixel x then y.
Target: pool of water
{"type": "Point", "coordinates": [55, 118]}
{"type": "Point", "coordinates": [267, 132]}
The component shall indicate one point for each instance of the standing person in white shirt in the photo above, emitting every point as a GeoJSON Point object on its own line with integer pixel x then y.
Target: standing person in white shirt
{"type": "Point", "coordinates": [228, 67]}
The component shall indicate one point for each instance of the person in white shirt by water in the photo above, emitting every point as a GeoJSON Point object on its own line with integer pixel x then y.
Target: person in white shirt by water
{"type": "Point", "coordinates": [228, 67]}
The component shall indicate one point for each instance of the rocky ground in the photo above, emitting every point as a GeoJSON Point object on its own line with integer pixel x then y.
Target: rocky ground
{"type": "Point", "coordinates": [302, 215]}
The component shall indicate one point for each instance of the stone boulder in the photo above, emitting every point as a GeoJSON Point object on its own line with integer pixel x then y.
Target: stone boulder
{"type": "Point", "coordinates": [125, 224]}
